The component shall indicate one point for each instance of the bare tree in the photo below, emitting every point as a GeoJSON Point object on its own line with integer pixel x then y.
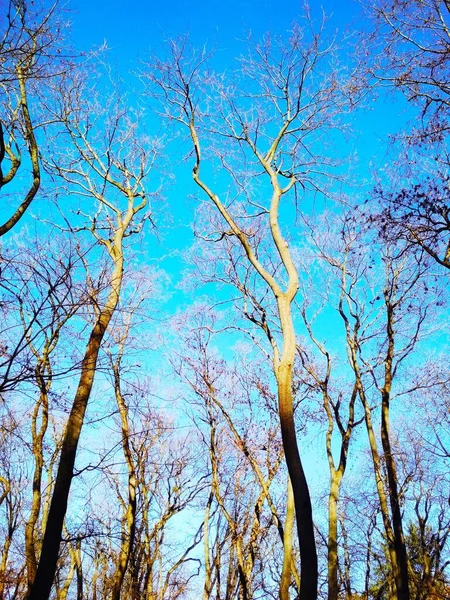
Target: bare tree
{"type": "Point", "coordinates": [419, 215]}
{"type": "Point", "coordinates": [12, 475]}
{"type": "Point", "coordinates": [413, 40]}
{"type": "Point", "coordinates": [39, 287]}
{"type": "Point", "coordinates": [30, 56]}
{"type": "Point", "coordinates": [218, 394]}
{"type": "Point", "coordinates": [398, 293]}
{"type": "Point", "coordinates": [107, 164]}
{"type": "Point", "coordinates": [340, 416]}
{"type": "Point", "coordinates": [129, 519]}
{"type": "Point", "coordinates": [166, 485]}
{"type": "Point", "coordinates": [411, 48]}
{"type": "Point", "coordinates": [63, 301]}
{"type": "Point", "coordinates": [267, 126]}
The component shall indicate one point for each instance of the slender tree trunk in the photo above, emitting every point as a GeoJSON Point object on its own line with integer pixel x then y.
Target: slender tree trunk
{"type": "Point", "coordinates": [34, 156]}
{"type": "Point", "coordinates": [43, 582]}
{"type": "Point", "coordinates": [380, 487]}
{"type": "Point", "coordinates": [62, 593]}
{"type": "Point", "coordinates": [76, 557]}
{"type": "Point", "coordinates": [130, 516]}
{"type": "Point", "coordinates": [37, 446]}
{"type": "Point", "coordinates": [235, 535]}
{"type": "Point", "coordinates": [376, 461]}
{"type": "Point", "coordinates": [251, 548]}
{"type": "Point", "coordinates": [402, 575]}
{"type": "Point", "coordinates": [4, 562]}
{"type": "Point", "coordinates": [286, 573]}
{"type": "Point", "coordinates": [333, 497]}
{"type": "Point", "coordinates": [303, 508]}
{"type": "Point", "coordinates": [336, 476]}
{"type": "Point", "coordinates": [347, 562]}
{"type": "Point", "coordinates": [208, 572]}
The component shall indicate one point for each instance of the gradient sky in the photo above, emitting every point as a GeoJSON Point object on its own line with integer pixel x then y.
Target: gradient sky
{"type": "Point", "coordinates": [132, 28]}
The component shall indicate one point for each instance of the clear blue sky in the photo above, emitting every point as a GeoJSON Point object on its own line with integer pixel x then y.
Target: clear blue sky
{"type": "Point", "coordinates": [132, 28]}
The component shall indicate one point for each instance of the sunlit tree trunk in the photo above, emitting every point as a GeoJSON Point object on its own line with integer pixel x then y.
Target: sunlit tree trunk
{"type": "Point", "coordinates": [43, 581]}
{"type": "Point", "coordinates": [12, 522]}
{"type": "Point", "coordinates": [37, 443]}
{"type": "Point", "coordinates": [303, 508]}
{"type": "Point", "coordinates": [401, 574]}
{"type": "Point", "coordinates": [289, 523]}
{"type": "Point", "coordinates": [129, 524]}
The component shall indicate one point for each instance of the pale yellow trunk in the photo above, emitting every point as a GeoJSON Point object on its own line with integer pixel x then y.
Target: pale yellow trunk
{"type": "Point", "coordinates": [333, 497]}
{"type": "Point", "coordinates": [286, 572]}
{"type": "Point", "coordinates": [130, 515]}
{"type": "Point", "coordinates": [37, 447]}
{"type": "Point", "coordinates": [380, 487]}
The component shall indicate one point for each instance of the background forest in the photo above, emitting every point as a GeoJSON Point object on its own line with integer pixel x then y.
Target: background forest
{"type": "Point", "coordinates": [224, 265]}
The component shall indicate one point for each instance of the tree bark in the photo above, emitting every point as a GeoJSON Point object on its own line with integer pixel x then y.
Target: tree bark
{"type": "Point", "coordinates": [129, 525]}
{"type": "Point", "coordinates": [303, 508]}
{"type": "Point", "coordinates": [287, 544]}
{"type": "Point", "coordinates": [43, 581]}
{"type": "Point", "coordinates": [333, 588]}
{"type": "Point", "coordinates": [401, 574]}
{"type": "Point", "coordinates": [34, 157]}
{"type": "Point", "coordinates": [37, 447]}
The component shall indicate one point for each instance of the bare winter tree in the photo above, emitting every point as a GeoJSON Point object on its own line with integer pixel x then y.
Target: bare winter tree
{"type": "Point", "coordinates": [413, 39]}
{"type": "Point", "coordinates": [105, 162]}
{"type": "Point", "coordinates": [12, 475]}
{"type": "Point", "coordinates": [339, 405]}
{"type": "Point", "coordinates": [245, 455]}
{"type": "Point", "coordinates": [263, 134]}
{"type": "Point", "coordinates": [400, 298]}
{"type": "Point", "coordinates": [30, 56]}
{"type": "Point", "coordinates": [411, 45]}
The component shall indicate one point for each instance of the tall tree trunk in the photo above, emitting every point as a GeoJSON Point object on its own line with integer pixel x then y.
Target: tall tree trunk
{"type": "Point", "coordinates": [336, 476]}
{"type": "Point", "coordinates": [286, 573]}
{"type": "Point", "coordinates": [11, 527]}
{"type": "Point", "coordinates": [303, 508]}
{"type": "Point", "coordinates": [43, 582]}
{"type": "Point", "coordinates": [76, 557]}
{"type": "Point", "coordinates": [333, 497]}
{"type": "Point", "coordinates": [208, 571]}
{"type": "Point", "coordinates": [401, 575]}
{"type": "Point", "coordinates": [37, 447]}
{"type": "Point", "coordinates": [129, 525]}
{"type": "Point", "coordinates": [376, 461]}
{"type": "Point", "coordinates": [347, 562]}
